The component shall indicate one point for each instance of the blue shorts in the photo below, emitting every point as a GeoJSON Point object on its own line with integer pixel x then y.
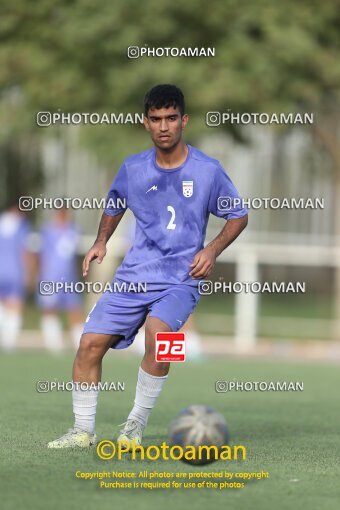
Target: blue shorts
{"type": "Point", "coordinates": [59, 301]}
{"type": "Point", "coordinates": [124, 313]}
{"type": "Point", "coordinates": [12, 289]}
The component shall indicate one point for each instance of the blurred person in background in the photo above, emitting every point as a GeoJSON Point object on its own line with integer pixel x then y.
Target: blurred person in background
{"type": "Point", "coordinates": [15, 261]}
{"type": "Point", "coordinates": [57, 263]}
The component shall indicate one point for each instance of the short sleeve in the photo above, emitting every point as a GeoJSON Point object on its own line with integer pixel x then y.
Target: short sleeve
{"type": "Point", "coordinates": [225, 201]}
{"type": "Point", "coordinates": [116, 200]}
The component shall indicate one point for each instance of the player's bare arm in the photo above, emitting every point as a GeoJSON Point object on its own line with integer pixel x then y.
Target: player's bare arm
{"type": "Point", "coordinates": [205, 259]}
{"type": "Point", "coordinates": [107, 226]}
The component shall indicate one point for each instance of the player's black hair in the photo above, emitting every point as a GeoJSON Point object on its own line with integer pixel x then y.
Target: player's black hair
{"type": "Point", "coordinates": [164, 96]}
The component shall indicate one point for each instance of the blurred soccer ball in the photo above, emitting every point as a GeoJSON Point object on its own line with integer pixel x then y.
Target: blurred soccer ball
{"type": "Point", "coordinates": [199, 425]}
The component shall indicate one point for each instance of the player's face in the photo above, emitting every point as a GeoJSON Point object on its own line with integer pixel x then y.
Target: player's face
{"type": "Point", "coordinates": [165, 126]}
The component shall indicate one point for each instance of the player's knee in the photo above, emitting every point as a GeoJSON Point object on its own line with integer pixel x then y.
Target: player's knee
{"type": "Point", "coordinates": [150, 333]}
{"type": "Point", "coordinates": [150, 348]}
{"type": "Point", "coordinates": [153, 326]}
{"type": "Point", "coordinates": [90, 346]}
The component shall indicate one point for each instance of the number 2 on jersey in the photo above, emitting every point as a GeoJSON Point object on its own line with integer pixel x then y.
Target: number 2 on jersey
{"type": "Point", "coordinates": [171, 224]}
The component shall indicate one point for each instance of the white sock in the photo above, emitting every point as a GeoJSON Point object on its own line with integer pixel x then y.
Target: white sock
{"type": "Point", "coordinates": [148, 390]}
{"type": "Point", "coordinates": [84, 408]}
{"type": "Point", "coordinates": [11, 325]}
{"type": "Point", "coordinates": [52, 332]}
{"type": "Point", "coordinates": [76, 333]}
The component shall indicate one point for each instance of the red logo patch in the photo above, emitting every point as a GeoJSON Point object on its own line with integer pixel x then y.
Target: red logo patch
{"type": "Point", "coordinates": [170, 346]}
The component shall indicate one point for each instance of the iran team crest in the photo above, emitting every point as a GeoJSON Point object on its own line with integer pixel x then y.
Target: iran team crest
{"type": "Point", "coordinates": [188, 188]}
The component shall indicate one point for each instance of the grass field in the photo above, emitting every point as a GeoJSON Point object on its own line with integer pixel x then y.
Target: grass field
{"type": "Point", "coordinates": [292, 435]}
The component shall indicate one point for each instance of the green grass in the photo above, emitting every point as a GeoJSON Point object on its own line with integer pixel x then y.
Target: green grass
{"type": "Point", "coordinates": [294, 436]}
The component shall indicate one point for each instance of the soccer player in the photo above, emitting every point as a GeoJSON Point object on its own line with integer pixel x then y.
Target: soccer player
{"type": "Point", "coordinates": [171, 189]}
{"type": "Point", "coordinates": [59, 240]}
{"type": "Point", "coordinates": [15, 263]}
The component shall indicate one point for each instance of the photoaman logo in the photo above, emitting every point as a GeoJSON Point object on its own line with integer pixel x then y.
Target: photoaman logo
{"type": "Point", "coordinates": [107, 450]}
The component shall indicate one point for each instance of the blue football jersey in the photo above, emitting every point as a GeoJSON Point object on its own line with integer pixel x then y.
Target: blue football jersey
{"type": "Point", "coordinates": [171, 208]}
{"type": "Point", "coordinates": [14, 232]}
{"type": "Point", "coordinates": [58, 256]}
